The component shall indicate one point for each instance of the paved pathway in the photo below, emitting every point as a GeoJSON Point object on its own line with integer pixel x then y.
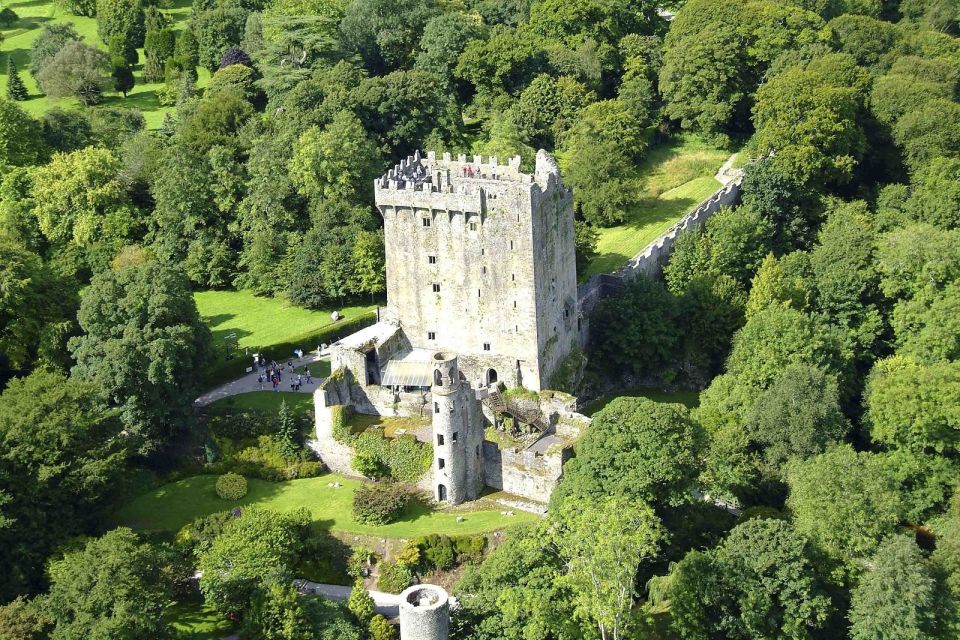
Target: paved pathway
{"type": "Point", "coordinates": [249, 383]}
{"type": "Point", "coordinates": [388, 604]}
{"type": "Point", "coordinates": [727, 173]}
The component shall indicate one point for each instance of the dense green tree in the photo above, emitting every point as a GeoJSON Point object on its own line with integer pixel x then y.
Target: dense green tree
{"type": "Point", "coordinates": [78, 71]}
{"type": "Point", "coordinates": [254, 550]}
{"type": "Point", "coordinates": [23, 619]}
{"type": "Point", "coordinates": [369, 263]}
{"type": "Point", "coordinates": [935, 196]}
{"type": "Point", "coordinates": [797, 417]}
{"type": "Point", "coordinates": [639, 449]}
{"type": "Point", "coordinates": [514, 593]}
{"type": "Point", "coordinates": [20, 142]}
{"type": "Point", "coordinates": [66, 130]}
{"type": "Point", "coordinates": [779, 198]}
{"type": "Point", "coordinates": [325, 163]}
{"type": "Point", "coordinates": [946, 557]}
{"type": "Point", "coordinates": [112, 588]}
{"type": "Point", "coordinates": [917, 259]}
{"type": "Point", "coordinates": [158, 47]}
{"type": "Point", "coordinates": [16, 90]}
{"type": "Point", "coordinates": [845, 501]}
{"type": "Point", "coordinates": [62, 457]}
{"type": "Point", "coordinates": [777, 337]}
{"type": "Point", "coordinates": [866, 39]}
{"type": "Point", "coordinates": [51, 39]}
{"type": "Point", "coordinates": [81, 199]}
{"type": "Point", "coordinates": [444, 38]}
{"type": "Point", "coordinates": [897, 596]}
{"type": "Point", "coordinates": [36, 308]}
{"type": "Point", "coordinates": [711, 310]}
{"type": "Point", "coordinates": [807, 117]}
{"type": "Point", "coordinates": [772, 286]}
{"type": "Point", "coordinates": [8, 17]}
{"type": "Point", "coordinates": [603, 179]}
{"type": "Point", "coordinates": [144, 347]}
{"type": "Point", "coordinates": [123, 79]}
{"type": "Point", "coordinates": [505, 62]}
{"type": "Point", "coordinates": [705, 76]}
{"type": "Point", "coordinates": [928, 326]}
{"type": "Point", "coordinates": [896, 94]}
{"type": "Point", "coordinates": [636, 332]}
{"type": "Point", "coordinates": [910, 405]}
{"type": "Point", "coordinates": [548, 107]}
{"type": "Point", "coordinates": [602, 545]}
{"type": "Point", "coordinates": [383, 33]}
{"type": "Point", "coordinates": [121, 49]}
{"type": "Point", "coordinates": [928, 132]}
{"type": "Point", "coordinates": [761, 582]}
{"type": "Point", "coordinates": [216, 30]}
{"type": "Point", "coordinates": [361, 603]}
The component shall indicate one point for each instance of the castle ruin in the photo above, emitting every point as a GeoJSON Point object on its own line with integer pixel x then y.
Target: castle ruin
{"type": "Point", "coordinates": [481, 296]}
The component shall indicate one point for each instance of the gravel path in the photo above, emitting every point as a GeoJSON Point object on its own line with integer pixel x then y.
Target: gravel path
{"type": "Point", "coordinates": [388, 604]}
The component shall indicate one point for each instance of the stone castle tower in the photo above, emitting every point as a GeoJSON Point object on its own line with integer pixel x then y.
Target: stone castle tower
{"type": "Point", "coordinates": [457, 433]}
{"type": "Point", "coordinates": [480, 262]}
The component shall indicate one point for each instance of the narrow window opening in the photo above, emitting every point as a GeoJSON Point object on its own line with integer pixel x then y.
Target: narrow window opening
{"type": "Point", "coordinates": [426, 222]}
{"type": "Point", "coordinates": [431, 335]}
{"type": "Point", "coordinates": [436, 287]}
{"type": "Point", "coordinates": [441, 463]}
{"type": "Point", "coordinates": [440, 439]}
{"type": "Point", "coordinates": [454, 438]}
{"type": "Point", "coordinates": [473, 226]}
{"type": "Point", "coordinates": [486, 346]}
{"type": "Point", "coordinates": [511, 245]}
{"type": "Point", "coordinates": [436, 407]}
{"type": "Point", "coordinates": [432, 259]}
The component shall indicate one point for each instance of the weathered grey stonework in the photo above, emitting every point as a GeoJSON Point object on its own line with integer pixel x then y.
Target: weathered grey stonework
{"type": "Point", "coordinates": [480, 261]}
{"type": "Point", "coordinates": [424, 613]}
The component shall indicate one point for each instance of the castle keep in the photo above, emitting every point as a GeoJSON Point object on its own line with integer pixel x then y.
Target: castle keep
{"type": "Point", "coordinates": [481, 296]}
{"type": "Point", "coordinates": [480, 261]}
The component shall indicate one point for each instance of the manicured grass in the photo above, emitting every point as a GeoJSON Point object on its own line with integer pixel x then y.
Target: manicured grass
{"type": "Point", "coordinates": [266, 401]}
{"type": "Point", "coordinates": [197, 621]}
{"type": "Point", "coordinates": [269, 325]}
{"type": "Point", "coordinates": [675, 177]}
{"type": "Point", "coordinates": [690, 399]}
{"type": "Point", "coordinates": [173, 505]}
{"type": "Point", "coordinates": [35, 14]}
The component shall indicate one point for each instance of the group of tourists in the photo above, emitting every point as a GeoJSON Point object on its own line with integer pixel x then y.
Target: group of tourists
{"type": "Point", "coordinates": [272, 373]}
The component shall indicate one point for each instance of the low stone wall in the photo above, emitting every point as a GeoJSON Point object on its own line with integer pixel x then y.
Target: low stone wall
{"type": "Point", "coordinates": [523, 472]}
{"type": "Point", "coordinates": [650, 261]}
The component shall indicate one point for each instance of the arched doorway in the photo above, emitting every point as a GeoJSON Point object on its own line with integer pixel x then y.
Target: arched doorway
{"type": "Point", "coordinates": [441, 493]}
{"type": "Point", "coordinates": [491, 377]}
{"type": "Point", "coordinates": [437, 378]}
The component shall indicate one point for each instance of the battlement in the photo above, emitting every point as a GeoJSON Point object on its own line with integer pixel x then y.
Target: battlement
{"type": "Point", "coordinates": [465, 175]}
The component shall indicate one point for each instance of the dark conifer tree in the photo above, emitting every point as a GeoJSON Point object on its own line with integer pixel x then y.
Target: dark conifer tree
{"type": "Point", "coordinates": [16, 90]}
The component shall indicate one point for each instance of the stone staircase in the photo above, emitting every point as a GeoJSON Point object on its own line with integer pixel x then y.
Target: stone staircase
{"type": "Point", "coordinates": [495, 401]}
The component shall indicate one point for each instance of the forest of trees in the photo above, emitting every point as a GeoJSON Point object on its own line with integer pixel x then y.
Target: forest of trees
{"type": "Point", "coordinates": [821, 317]}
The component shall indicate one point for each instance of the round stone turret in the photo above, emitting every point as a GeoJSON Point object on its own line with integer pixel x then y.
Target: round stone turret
{"type": "Point", "coordinates": [424, 613]}
{"type": "Point", "coordinates": [446, 374]}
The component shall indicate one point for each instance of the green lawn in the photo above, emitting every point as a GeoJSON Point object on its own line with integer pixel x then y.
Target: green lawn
{"type": "Point", "coordinates": [266, 401]}
{"type": "Point", "coordinates": [269, 325]}
{"type": "Point", "coordinates": [34, 14]}
{"type": "Point", "coordinates": [360, 422]}
{"type": "Point", "coordinates": [675, 178]}
{"type": "Point", "coordinates": [690, 399]}
{"type": "Point", "coordinates": [173, 505]}
{"type": "Point", "coordinates": [196, 621]}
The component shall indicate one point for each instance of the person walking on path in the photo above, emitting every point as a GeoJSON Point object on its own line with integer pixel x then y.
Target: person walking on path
{"type": "Point", "coordinates": [309, 376]}
{"type": "Point", "coordinates": [260, 381]}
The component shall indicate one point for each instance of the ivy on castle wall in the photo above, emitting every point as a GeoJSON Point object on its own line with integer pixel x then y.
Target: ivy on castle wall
{"type": "Point", "coordinates": [403, 458]}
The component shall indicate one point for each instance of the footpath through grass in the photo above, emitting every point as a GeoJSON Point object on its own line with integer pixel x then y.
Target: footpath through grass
{"type": "Point", "coordinates": [675, 178]}
{"type": "Point", "coordinates": [241, 321]}
{"type": "Point", "coordinates": [35, 14]}
{"type": "Point", "coordinates": [174, 505]}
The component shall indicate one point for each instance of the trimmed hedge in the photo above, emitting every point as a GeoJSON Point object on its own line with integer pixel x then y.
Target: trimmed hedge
{"type": "Point", "coordinates": [380, 503]}
{"type": "Point", "coordinates": [231, 486]}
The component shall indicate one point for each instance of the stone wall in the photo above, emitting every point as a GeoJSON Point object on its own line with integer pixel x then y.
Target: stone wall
{"type": "Point", "coordinates": [650, 261]}
{"type": "Point", "coordinates": [523, 472]}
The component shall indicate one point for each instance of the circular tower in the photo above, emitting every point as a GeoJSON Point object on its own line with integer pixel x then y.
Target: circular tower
{"type": "Point", "coordinates": [450, 424]}
{"type": "Point", "coordinates": [424, 613]}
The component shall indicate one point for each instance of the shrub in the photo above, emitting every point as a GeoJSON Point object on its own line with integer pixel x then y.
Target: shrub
{"type": "Point", "coordinates": [360, 561]}
{"type": "Point", "coordinates": [438, 551]}
{"type": "Point", "coordinates": [231, 486]}
{"type": "Point", "coordinates": [394, 578]}
{"type": "Point", "coordinates": [309, 469]}
{"type": "Point", "coordinates": [381, 629]}
{"type": "Point", "coordinates": [360, 603]}
{"type": "Point", "coordinates": [409, 555]}
{"type": "Point", "coordinates": [369, 465]}
{"type": "Point", "coordinates": [380, 503]}
{"type": "Point", "coordinates": [408, 458]}
{"type": "Point", "coordinates": [469, 548]}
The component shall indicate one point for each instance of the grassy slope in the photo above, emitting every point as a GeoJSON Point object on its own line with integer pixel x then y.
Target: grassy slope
{"type": "Point", "coordinates": [34, 14]}
{"type": "Point", "coordinates": [172, 506]}
{"type": "Point", "coordinates": [260, 323]}
{"type": "Point", "coordinates": [675, 178]}
{"type": "Point", "coordinates": [690, 399]}
{"type": "Point", "coordinates": [196, 621]}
